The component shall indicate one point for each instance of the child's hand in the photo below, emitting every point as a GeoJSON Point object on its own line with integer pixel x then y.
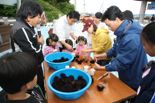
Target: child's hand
{"type": "Point", "coordinates": [55, 50]}
{"type": "Point", "coordinates": [73, 35]}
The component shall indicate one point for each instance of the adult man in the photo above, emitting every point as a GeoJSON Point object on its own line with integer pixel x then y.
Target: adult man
{"type": "Point", "coordinates": [23, 35]}
{"type": "Point", "coordinates": [129, 55]}
{"type": "Point", "coordinates": [64, 27]}
{"type": "Point", "coordinates": [128, 14]}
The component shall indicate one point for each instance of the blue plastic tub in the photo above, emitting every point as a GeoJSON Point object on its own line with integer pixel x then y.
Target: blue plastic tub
{"type": "Point", "coordinates": [70, 95]}
{"type": "Point", "coordinates": [58, 55]}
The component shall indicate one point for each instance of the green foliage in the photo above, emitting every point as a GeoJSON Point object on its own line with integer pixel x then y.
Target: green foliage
{"type": "Point", "coordinates": [58, 1]}
{"type": "Point", "coordinates": [52, 8]}
{"type": "Point", "coordinates": [55, 2]}
{"type": "Point", "coordinates": [65, 7]}
{"type": "Point", "coordinates": [6, 10]}
{"type": "Point", "coordinates": [51, 12]}
{"type": "Point", "coordinates": [52, 2]}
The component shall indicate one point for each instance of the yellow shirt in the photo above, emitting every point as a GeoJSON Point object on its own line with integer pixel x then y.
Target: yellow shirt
{"type": "Point", "coordinates": [101, 41]}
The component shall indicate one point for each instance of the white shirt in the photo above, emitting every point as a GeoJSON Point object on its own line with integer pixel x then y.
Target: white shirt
{"type": "Point", "coordinates": [102, 25]}
{"type": "Point", "coordinates": [62, 28]}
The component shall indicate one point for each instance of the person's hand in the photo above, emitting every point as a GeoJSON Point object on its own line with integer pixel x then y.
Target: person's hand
{"type": "Point", "coordinates": [73, 36]}
{"type": "Point", "coordinates": [100, 56]}
{"type": "Point", "coordinates": [99, 67]}
{"type": "Point", "coordinates": [40, 39]}
{"type": "Point", "coordinates": [66, 45]}
{"type": "Point", "coordinates": [86, 50]}
{"type": "Point", "coordinates": [55, 50]}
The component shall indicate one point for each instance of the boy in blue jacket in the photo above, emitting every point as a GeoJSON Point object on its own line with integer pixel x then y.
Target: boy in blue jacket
{"type": "Point", "coordinates": [127, 52]}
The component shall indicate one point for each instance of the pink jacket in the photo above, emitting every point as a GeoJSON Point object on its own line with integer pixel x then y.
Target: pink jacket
{"type": "Point", "coordinates": [50, 49]}
{"type": "Point", "coordinates": [79, 49]}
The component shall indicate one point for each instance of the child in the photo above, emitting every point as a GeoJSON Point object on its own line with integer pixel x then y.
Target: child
{"type": "Point", "coordinates": [147, 85]}
{"type": "Point", "coordinates": [68, 42]}
{"type": "Point", "coordinates": [17, 75]}
{"type": "Point", "coordinates": [81, 44]}
{"type": "Point", "coordinates": [51, 44]}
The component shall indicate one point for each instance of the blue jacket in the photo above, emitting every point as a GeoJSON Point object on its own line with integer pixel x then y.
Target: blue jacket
{"type": "Point", "coordinates": [129, 55]}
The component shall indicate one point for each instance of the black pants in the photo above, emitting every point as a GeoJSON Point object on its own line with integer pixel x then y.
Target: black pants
{"type": "Point", "coordinates": [103, 62]}
{"type": "Point", "coordinates": [40, 78]}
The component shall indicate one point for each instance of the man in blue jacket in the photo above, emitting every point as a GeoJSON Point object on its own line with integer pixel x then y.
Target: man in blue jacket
{"type": "Point", "coordinates": [127, 52]}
